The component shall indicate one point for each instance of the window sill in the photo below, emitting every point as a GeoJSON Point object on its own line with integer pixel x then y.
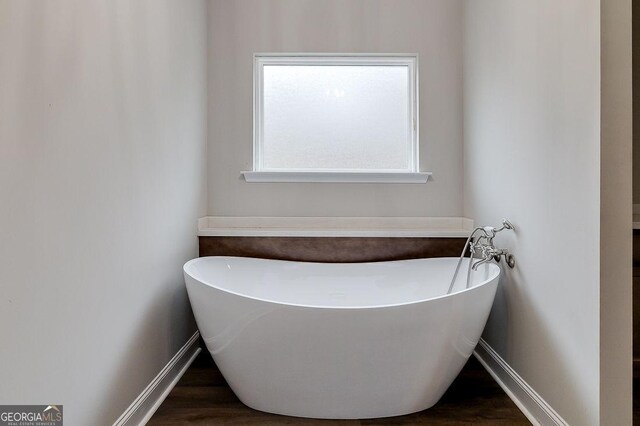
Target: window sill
{"type": "Point", "coordinates": [337, 177]}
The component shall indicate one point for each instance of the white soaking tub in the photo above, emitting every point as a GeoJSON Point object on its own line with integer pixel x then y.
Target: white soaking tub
{"type": "Point", "coordinates": [339, 340]}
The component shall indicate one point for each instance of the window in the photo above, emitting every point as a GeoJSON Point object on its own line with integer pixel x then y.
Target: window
{"type": "Point", "coordinates": [335, 118]}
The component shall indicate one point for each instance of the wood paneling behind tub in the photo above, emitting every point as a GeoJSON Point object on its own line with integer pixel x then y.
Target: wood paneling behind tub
{"type": "Point", "coordinates": [331, 249]}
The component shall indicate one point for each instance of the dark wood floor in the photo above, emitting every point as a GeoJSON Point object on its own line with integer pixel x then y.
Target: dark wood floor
{"type": "Point", "coordinates": [202, 397]}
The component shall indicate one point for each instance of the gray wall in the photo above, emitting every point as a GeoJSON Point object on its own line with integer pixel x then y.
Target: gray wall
{"type": "Point", "coordinates": [532, 128]}
{"type": "Point", "coordinates": [102, 141]}
{"type": "Point", "coordinates": [237, 29]}
{"type": "Point", "coordinates": [532, 114]}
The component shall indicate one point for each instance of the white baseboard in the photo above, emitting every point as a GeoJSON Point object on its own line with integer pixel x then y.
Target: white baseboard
{"type": "Point", "coordinates": [536, 409]}
{"type": "Point", "coordinates": [143, 407]}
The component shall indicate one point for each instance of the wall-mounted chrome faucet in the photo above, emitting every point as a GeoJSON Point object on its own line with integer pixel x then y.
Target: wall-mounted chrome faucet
{"type": "Point", "coordinates": [487, 250]}
{"type": "Point", "coordinates": [483, 248]}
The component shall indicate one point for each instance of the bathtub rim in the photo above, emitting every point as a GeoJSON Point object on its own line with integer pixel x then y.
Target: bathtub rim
{"type": "Point", "coordinates": [491, 265]}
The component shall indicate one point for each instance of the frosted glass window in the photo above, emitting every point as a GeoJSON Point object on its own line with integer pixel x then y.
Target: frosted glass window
{"type": "Point", "coordinates": [339, 114]}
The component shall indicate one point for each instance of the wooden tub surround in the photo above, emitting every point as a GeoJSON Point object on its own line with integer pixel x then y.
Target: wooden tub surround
{"type": "Point", "coordinates": [332, 249]}
{"type": "Point", "coordinates": [335, 240]}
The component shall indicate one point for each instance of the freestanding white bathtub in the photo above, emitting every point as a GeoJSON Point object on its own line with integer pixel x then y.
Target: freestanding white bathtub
{"type": "Point", "coordinates": [339, 341]}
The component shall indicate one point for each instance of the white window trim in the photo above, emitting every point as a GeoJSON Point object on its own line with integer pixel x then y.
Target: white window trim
{"type": "Point", "coordinates": [410, 175]}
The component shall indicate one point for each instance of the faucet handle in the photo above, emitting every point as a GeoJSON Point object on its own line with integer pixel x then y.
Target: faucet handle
{"type": "Point", "coordinates": [508, 257]}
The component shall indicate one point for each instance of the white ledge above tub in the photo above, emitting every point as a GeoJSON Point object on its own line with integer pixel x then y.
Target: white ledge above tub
{"type": "Point", "coordinates": [337, 177]}
{"type": "Point", "coordinates": [416, 227]}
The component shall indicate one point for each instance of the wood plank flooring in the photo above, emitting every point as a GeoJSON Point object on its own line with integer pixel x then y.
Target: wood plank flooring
{"type": "Point", "coordinates": [202, 397]}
